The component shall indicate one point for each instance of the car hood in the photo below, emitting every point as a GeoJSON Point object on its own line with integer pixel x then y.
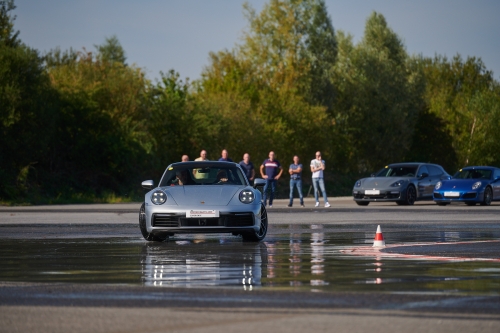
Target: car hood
{"type": "Point", "coordinates": [210, 195]}
{"type": "Point", "coordinates": [461, 184]}
{"type": "Point", "coordinates": [380, 182]}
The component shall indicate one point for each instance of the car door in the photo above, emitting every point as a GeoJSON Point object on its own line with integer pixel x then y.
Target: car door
{"type": "Point", "coordinates": [435, 175]}
{"type": "Point", "coordinates": [423, 181]}
{"type": "Point", "coordinates": [496, 184]}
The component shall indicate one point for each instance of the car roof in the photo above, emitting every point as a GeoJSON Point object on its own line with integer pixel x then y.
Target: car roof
{"type": "Point", "coordinates": [199, 164]}
{"type": "Point", "coordinates": [406, 164]}
{"type": "Point", "coordinates": [413, 164]}
{"type": "Point", "coordinates": [479, 167]}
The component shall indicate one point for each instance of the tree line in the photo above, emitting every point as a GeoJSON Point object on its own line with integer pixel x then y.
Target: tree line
{"type": "Point", "coordinates": [80, 125]}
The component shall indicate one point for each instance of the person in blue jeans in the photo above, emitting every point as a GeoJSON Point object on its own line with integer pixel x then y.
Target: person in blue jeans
{"type": "Point", "coordinates": [317, 168]}
{"type": "Point", "coordinates": [273, 171]}
{"type": "Point", "coordinates": [295, 171]}
{"type": "Point", "coordinates": [248, 168]}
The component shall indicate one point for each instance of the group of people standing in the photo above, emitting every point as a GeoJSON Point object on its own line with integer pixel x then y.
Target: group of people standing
{"type": "Point", "coordinates": [271, 170]}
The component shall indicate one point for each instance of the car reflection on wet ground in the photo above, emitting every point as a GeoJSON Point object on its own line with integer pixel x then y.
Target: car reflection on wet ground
{"type": "Point", "coordinates": [293, 257]}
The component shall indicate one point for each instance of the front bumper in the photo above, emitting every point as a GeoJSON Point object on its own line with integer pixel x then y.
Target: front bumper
{"type": "Point", "coordinates": [393, 194]}
{"type": "Point", "coordinates": [161, 220]}
{"type": "Point", "coordinates": [463, 196]}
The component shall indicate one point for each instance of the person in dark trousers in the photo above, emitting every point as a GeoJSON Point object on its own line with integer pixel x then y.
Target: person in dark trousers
{"type": "Point", "coordinates": [248, 168]}
{"type": "Point", "coordinates": [295, 171]}
{"type": "Point", "coordinates": [273, 171]}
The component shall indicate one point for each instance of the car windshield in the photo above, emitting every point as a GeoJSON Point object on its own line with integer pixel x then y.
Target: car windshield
{"type": "Point", "coordinates": [204, 175]}
{"type": "Point", "coordinates": [398, 171]}
{"type": "Point", "coordinates": [473, 174]}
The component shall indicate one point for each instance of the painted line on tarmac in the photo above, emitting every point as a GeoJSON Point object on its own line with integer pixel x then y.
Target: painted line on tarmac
{"type": "Point", "coordinates": [370, 251]}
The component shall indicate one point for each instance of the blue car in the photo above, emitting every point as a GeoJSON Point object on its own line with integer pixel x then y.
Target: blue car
{"type": "Point", "coordinates": [471, 185]}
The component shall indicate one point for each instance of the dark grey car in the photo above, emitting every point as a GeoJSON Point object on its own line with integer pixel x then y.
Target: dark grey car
{"type": "Point", "coordinates": [403, 183]}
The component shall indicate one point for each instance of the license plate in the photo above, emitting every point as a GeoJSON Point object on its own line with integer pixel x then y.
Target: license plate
{"type": "Point", "coordinates": [202, 213]}
{"type": "Point", "coordinates": [372, 192]}
{"type": "Point", "coordinates": [452, 194]}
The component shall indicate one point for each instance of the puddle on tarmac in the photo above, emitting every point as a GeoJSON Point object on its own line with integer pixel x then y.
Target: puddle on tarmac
{"type": "Point", "coordinates": [303, 258]}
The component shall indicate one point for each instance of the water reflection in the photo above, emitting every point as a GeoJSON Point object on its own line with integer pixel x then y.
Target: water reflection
{"type": "Point", "coordinates": [317, 259]}
{"type": "Point", "coordinates": [197, 263]}
{"type": "Point", "coordinates": [295, 258]}
{"type": "Point", "coordinates": [305, 258]}
{"type": "Point", "coordinates": [377, 269]}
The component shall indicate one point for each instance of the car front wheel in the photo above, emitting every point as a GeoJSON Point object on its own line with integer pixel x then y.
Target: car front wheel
{"type": "Point", "coordinates": [144, 231]}
{"type": "Point", "coordinates": [488, 196]}
{"type": "Point", "coordinates": [257, 236]}
{"type": "Point", "coordinates": [411, 195]}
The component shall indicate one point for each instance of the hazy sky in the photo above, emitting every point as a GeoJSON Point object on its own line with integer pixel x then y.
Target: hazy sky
{"type": "Point", "coordinates": [159, 35]}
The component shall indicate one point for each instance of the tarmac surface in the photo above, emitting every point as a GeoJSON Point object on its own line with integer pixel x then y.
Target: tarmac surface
{"type": "Point", "coordinates": [84, 268]}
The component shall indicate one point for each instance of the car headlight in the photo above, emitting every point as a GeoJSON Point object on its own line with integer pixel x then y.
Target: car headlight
{"type": "Point", "coordinates": [358, 183]}
{"type": "Point", "coordinates": [438, 185]}
{"type": "Point", "coordinates": [476, 185]}
{"type": "Point", "coordinates": [158, 197]}
{"type": "Point", "coordinates": [247, 196]}
{"type": "Point", "coordinates": [398, 183]}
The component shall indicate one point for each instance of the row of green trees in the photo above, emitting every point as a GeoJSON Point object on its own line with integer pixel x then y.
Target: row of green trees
{"type": "Point", "coordinates": [86, 125]}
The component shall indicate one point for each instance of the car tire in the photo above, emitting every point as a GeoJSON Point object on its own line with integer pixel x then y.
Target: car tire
{"type": "Point", "coordinates": [362, 203]}
{"type": "Point", "coordinates": [411, 195]}
{"type": "Point", "coordinates": [144, 231]}
{"type": "Point", "coordinates": [261, 234]}
{"type": "Point", "coordinates": [487, 197]}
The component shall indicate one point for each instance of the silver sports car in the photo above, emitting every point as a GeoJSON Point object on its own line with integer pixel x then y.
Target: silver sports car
{"type": "Point", "coordinates": [203, 197]}
{"type": "Point", "coordinates": [403, 183]}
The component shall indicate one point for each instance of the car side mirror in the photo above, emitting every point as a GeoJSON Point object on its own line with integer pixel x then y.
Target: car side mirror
{"type": "Point", "coordinates": [423, 175]}
{"type": "Point", "coordinates": [259, 182]}
{"type": "Point", "coordinates": [148, 184]}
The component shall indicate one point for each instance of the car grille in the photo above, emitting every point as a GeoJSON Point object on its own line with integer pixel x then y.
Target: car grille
{"type": "Point", "coordinates": [244, 219]}
{"type": "Point", "coordinates": [382, 195]}
{"type": "Point", "coordinates": [239, 220]}
{"type": "Point", "coordinates": [226, 220]}
{"type": "Point", "coordinates": [165, 220]}
{"type": "Point", "coordinates": [202, 222]}
{"type": "Point", "coordinates": [472, 195]}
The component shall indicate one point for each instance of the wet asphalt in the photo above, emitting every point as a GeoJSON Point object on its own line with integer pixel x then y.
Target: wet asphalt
{"type": "Point", "coordinates": [88, 257]}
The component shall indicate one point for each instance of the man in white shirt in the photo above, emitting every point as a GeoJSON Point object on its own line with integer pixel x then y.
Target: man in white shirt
{"type": "Point", "coordinates": [203, 156]}
{"type": "Point", "coordinates": [317, 168]}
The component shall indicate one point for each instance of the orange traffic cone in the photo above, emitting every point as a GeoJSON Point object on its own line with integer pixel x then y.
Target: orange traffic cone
{"type": "Point", "coordinates": [379, 238]}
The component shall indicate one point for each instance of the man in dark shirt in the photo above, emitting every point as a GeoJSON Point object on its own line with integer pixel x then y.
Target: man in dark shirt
{"type": "Point", "coordinates": [273, 171]}
{"type": "Point", "coordinates": [248, 168]}
{"type": "Point", "coordinates": [295, 171]}
{"type": "Point", "coordinates": [225, 156]}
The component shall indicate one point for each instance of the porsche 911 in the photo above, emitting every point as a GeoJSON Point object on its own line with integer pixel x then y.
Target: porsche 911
{"type": "Point", "coordinates": [203, 197]}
